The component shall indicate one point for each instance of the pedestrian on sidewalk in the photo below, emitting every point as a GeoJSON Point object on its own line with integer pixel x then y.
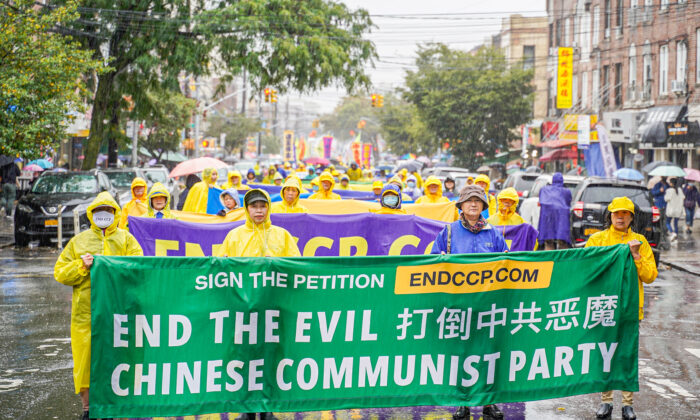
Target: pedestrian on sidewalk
{"type": "Point", "coordinates": [674, 207]}
{"type": "Point", "coordinates": [618, 222]}
{"type": "Point", "coordinates": [9, 174]}
{"type": "Point", "coordinates": [692, 198]}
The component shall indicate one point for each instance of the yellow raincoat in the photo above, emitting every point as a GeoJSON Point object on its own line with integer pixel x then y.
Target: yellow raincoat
{"type": "Point", "coordinates": [432, 198]}
{"type": "Point", "coordinates": [198, 197]}
{"type": "Point", "coordinates": [354, 174]}
{"type": "Point", "coordinates": [270, 177]}
{"type": "Point", "coordinates": [237, 184]}
{"type": "Point", "coordinates": [419, 179]}
{"type": "Point", "coordinates": [137, 206]}
{"type": "Point", "coordinates": [285, 207]}
{"type": "Point", "coordinates": [341, 187]}
{"type": "Point", "coordinates": [325, 195]}
{"type": "Point", "coordinates": [263, 240]}
{"type": "Point", "coordinates": [69, 270]}
{"type": "Point", "coordinates": [493, 205]}
{"type": "Point", "coordinates": [510, 217]}
{"type": "Point", "coordinates": [646, 265]}
{"type": "Point", "coordinates": [159, 190]}
{"type": "Point", "coordinates": [278, 177]}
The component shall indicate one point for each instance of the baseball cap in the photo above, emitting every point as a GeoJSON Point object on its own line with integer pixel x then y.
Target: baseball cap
{"type": "Point", "coordinates": [621, 203]}
{"type": "Point", "coordinates": [254, 195]}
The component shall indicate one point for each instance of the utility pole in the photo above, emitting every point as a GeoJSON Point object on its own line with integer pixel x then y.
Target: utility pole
{"type": "Point", "coordinates": [274, 121]}
{"type": "Point", "coordinates": [196, 118]}
{"type": "Point", "coordinates": [260, 117]}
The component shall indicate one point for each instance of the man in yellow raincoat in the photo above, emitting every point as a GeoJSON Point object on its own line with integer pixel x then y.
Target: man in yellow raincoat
{"type": "Point", "coordinates": [73, 269]}
{"type": "Point", "coordinates": [344, 182]}
{"type": "Point", "coordinates": [354, 173]}
{"type": "Point", "coordinates": [198, 197]}
{"type": "Point", "coordinates": [278, 179]}
{"type": "Point", "coordinates": [159, 202]}
{"type": "Point", "coordinates": [433, 192]}
{"type": "Point", "coordinates": [258, 237]}
{"type": "Point", "coordinates": [137, 206]}
{"type": "Point", "coordinates": [620, 218]}
{"type": "Point", "coordinates": [507, 204]}
{"type": "Point", "coordinates": [290, 197]}
{"type": "Point", "coordinates": [325, 191]}
{"type": "Point", "coordinates": [234, 181]}
{"type": "Point", "coordinates": [390, 201]}
{"type": "Point", "coordinates": [485, 182]}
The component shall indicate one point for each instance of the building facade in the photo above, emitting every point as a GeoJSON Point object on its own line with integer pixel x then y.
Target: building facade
{"type": "Point", "coordinates": [637, 66]}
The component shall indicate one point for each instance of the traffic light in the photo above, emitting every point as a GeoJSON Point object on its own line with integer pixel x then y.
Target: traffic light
{"type": "Point", "coordinates": [205, 143]}
{"type": "Point", "coordinates": [315, 123]}
{"type": "Point", "coordinates": [273, 95]}
{"type": "Point", "coordinates": [380, 101]}
{"type": "Point", "coordinates": [268, 94]}
{"type": "Point", "coordinates": [375, 97]}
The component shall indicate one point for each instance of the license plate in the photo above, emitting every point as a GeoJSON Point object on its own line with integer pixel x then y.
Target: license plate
{"type": "Point", "coordinates": [590, 231]}
{"type": "Point", "coordinates": [51, 222]}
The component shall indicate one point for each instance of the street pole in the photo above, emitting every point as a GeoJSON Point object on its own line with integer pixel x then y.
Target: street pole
{"type": "Point", "coordinates": [259, 116]}
{"type": "Point", "coordinates": [134, 144]}
{"type": "Point", "coordinates": [196, 118]}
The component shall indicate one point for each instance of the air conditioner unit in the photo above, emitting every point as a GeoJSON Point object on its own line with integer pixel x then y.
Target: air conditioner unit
{"type": "Point", "coordinates": [678, 86]}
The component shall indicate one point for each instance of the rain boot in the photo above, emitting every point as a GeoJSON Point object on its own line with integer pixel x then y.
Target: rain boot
{"type": "Point", "coordinates": [86, 415]}
{"type": "Point", "coordinates": [604, 411]}
{"type": "Point", "coordinates": [462, 413]}
{"type": "Point", "coordinates": [628, 413]}
{"type": "Point", "coordinates": [492, 412]}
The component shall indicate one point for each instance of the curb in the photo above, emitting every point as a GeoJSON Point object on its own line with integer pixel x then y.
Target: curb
{"type": "Point", "coordinates": [681, 268]}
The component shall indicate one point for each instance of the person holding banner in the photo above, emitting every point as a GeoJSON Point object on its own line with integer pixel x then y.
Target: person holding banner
{"type": "Point", "coordinates": [619, 221]}
{"type": "Point", "coordinates": [278, 179]}
{"type": "Point", "coordinates": [485, 182]}
{"type": "Point", "coordinates": [137, 205]}
{"type": "Point", "coordinates": [469, 235]}
{"type": "Point", "coordinates": [230, 200]}
{"type": "Point", "coordinates": [390, 201]}
{"type": "Point", "coordinates": [198, 197]}
{"type": "Point", "coordinates": [377, 187]}
{"type": "Point", "coordinates": [290, 197]}
{"type": "Point", "coordinates": [73, 269]}
{"type": "Point", "coordinates": [449, 190]}
{"type": "Point", "coordinates": [520, 238]}
{"type": "Point", "coordinates": [326, 184]}
{"type": "Point", "coordinates": [433, 192]}
{"type": "Point", "coordinates": [250, 176]}
{"type": "Point", "coordinates": [412, 188]}
{"type": "Point", "coordinates": [344, 182]}
{"type": "Point", "coordinates": [507, 204]}
{"type": "Point", "coordinates": [354, 173]}
{"type": "Point", "coordinates": [159, 202]}
{"type": "Point", "coordinates": [234, 181]}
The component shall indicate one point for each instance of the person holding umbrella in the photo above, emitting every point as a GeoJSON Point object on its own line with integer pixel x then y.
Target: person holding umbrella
{"type": "Point", "coordinates": [674, 207]}
{"type": "Point", "coordinates": [692, 198]}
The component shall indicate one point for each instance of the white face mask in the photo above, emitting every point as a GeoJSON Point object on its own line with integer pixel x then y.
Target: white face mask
{"type": "Point", "coordinates": [102, 219]}
{"type": "Point", "coordinates": [411, 184]}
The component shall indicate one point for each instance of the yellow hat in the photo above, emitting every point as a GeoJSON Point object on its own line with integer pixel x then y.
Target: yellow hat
{"type": "Point", "coordinates": [314, 181]}
{"type": "Point", "coordinates": [509, 194]}
{"type": "Point", "coordinates": [620, 204]}
{"type": "Point", "coordinates": [377, 184]}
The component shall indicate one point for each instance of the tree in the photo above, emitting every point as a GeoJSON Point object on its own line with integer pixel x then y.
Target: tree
{"type": "Point", "coordinates": [40, 77]}
{"type": "Point", "coordinates": [271, 145]}
{"type": "Point", "coordinates": [236, 127]}
{"type": "Point", "coordinates": [167, 112]}
{"type": "Point", "coordinates": [150, 44]}
{"type": "Point", "coordinates": [404, 130]}
{"type": "Point", "coordinates": [471, 101]}
{"type": "Point", "coordinates": [346, 116]}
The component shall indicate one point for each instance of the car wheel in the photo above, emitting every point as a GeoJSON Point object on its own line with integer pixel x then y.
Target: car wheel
{"type": "Point", "coordinates": [21, 239]}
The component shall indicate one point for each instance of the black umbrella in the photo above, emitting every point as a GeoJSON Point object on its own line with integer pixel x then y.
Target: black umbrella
{"type": "Point", "coordinates": [6, 160]}
{"type": "Point", "coordinates": [411, 166]}
{"type": "Point", "coordinates": [533, 169]}
{"type": "Point", "coordinates": [653, 165]}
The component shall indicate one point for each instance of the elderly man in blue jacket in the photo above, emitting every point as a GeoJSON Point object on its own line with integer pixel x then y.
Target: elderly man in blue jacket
{"type": "Point", "coordinates": [471, 234]}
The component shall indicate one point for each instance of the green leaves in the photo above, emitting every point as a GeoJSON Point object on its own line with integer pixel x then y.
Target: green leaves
{"type": "Point", "coordinates": [236, 127]}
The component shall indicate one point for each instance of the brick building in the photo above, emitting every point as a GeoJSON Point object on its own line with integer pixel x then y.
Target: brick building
{"type": "Point", "coordinates": [637, 66]}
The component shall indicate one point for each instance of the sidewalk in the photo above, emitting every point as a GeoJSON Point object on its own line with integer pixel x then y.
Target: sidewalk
{"type": "Point", "coordinates": [7, 235]}
{"type": "Point", "coordinates": [684, 251]}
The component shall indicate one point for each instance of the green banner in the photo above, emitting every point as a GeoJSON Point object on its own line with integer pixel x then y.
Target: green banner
{"type": "Point", "coordinates": [180, 336]}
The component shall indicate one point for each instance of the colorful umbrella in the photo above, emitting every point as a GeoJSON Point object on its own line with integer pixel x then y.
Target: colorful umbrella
{"type": "Point", "coordinates": [193, 166]}
{"type": "Point", "coordinates": [692, 174]}
{"type": "Point", "coordinates": [653, 165]}
{"type": "Point", "coordinates": [628, 174]}
{"type": "Point", "coordinates": [668, 171]}
{"type": "Point", "coordinates": [44, 163]}
{"type": "Point", "coordinates": [317, 161]}
{"type": "Point", "coordinates": [408, 156]}
{"type": "Point", "coordinates": [33, 168]}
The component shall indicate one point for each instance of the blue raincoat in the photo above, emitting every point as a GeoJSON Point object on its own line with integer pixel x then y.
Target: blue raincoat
{"type": "Point", "coordinates": [555, 203]}
{"type": "Point", "coordinates": [464, 241]}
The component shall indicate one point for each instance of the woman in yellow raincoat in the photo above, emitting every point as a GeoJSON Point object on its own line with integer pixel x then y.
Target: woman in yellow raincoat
{"type": "Point", "coordinates": [137, 206]}
{"type": "Point", "coordinates": [507, 204]}
{"type": "Point", "coordinates": [290, 197]}
{"type": "Point", "coordinates": [325, 191]}
{"type": "Point", "coordinates": [433, 192]}
{"type": "Point", "coordinates": [620, 217]}
{"type": "Point", "coordinates": [258, 237]}
{"type": "Point", "coordinates": [159, 202]}
{"type": "Point", "coordinates": [234, 181]}
{"type": "Point", "coordinates": [270, 177]}
{"type": "Point", "coordinates": [485, 182]}
{"type": "Point", "coordinates": [73, 269]}
{"type": "Point", "coordinates": [390, 201]}
{"type": "Point", "coordinates": [198, 197]}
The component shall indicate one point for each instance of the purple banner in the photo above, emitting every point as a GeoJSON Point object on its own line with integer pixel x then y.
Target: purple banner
{"type": "Point", "coordinates": [522, 237]}
{"type": "Point", "coordinates": [327, 144]}
{"type": "Point", "coordinates": [319, 235]}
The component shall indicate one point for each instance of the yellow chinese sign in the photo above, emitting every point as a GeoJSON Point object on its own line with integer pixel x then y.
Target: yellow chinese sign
{"type": "Point", "coordinates": [565, 70]}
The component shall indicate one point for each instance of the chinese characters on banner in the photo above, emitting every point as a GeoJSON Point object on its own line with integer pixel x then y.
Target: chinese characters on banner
{"type": "Point", "coordinates": [327, 144]}
{"type": "Point", "coordinates": [366, 155]}
{"type": "Point", "coordinates": [565, 69]}
{"type": "Point", "coordinates": [357, 151]}
{"type": "Point", "coordinates": [289, 146]}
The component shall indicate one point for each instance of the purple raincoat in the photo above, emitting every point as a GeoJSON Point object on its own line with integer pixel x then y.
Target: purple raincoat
{"type": "Point", "coordinates": [555, 201]}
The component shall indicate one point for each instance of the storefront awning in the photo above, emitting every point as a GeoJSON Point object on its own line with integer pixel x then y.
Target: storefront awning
{"type": "Point", "coordinates": [555, 144]}
{"type": "Point", "coordinates": [559, 154]}
{"type": "Point", "coordinates": [667, 127]}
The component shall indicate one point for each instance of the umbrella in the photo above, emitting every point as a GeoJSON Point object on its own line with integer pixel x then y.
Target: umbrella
{"type": "Point", "coordinates": [653, 181]}
{"type": "Point", "coordinates": [33, 168]}
{"type": "Point", "coordinates": [668, 171]}
{"type": "Point", "coordinates": [533, 169]}
{"type": "Point", "coordinates": [44, 163]}
{"type": "Point", "coordinates": [408, 156]}
{"type": "Point", "coordinates": [411, 166]}
{"type": "Point", "coordinates": [628, 174]}
{"type": "Point", "coordinates": [193, 166]}
{"type": "Point", "coordinates": [425, 160]}
{"type": "Point", "coordinates": [5, 160]}
{"type": "Point", "coordinates": [653, 165]}
{"type": "Point", "coordinates": [497, 165]}
{"type": "Point", "coordinates": [385, 167]}
{"type": "Point", "coordinates": [692, 174]}
{"type": "Point", "coordinates": [317, 161]}
{"type": "Point", "coordinates": [230, 159]}
{"type": "Point", "coordinates": [483, 168]}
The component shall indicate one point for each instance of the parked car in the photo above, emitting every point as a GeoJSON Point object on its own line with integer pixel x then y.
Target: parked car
{"type": "Point", "coordinates": [36, 216]}
{"type": "Point", "coordinates": [444, 171]}
{"type": "Point", "coordinates": [522, 182]}
{"type": "Point", "coordinates": [121, 179]}
{"type": "Point", "coordinates": [529, 207]}
{"type": "Point", "coordinates": [161, 174]}
{"type": "Point", "coordinates": [589, 209]}
{"type": "Point", "coordinates": [461, 179]}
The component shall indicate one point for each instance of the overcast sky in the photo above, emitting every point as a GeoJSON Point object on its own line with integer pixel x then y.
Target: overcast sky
{"type": "Point", "coordinates": [401, 25]}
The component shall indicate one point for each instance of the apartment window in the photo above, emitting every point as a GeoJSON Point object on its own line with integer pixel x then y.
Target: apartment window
{"type": "Point", "coordinates": [646, 93]}
{"type": "Point", "coordinates": [584, 90]}
{"type": "Point", "coordinates": [574, 90]}
{"type": "Point", "coordinates": [607, 19]}
{"type": "Point", "coordinates": [585, 36]}
{"type": "Point", "coordinates": [664, 4]}
{"type": "Point", "coordinates": [528, 57]}
{"type": "Point", "coordinates": [697, 56]}
{"type": "Point", "coordinates": [663, 70]}
{"type": "Point", "coordinates": [557, 33]}
{"type": "Point", "coordinates": [596, 25]}
{"type": "Point", "coordinates": [567, 32]}
{"type": "Point", "coordinates": [595, 89]}
{"type": "Point", "coordinates": [605, 94]}
{"type": "Point", "coordinates": [681, 61]}
{"type": "Point", "coordinates": [620, 14]}
{"type": "Point", "coordinates": [632, 85]}
{"type": "Point", "coordinates": [618, 84]}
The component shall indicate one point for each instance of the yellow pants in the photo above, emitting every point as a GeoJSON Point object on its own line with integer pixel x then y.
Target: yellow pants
{"type": "Point", "coordinates": [627, 397]}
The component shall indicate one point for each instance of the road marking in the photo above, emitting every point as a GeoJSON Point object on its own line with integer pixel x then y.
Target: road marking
{"type": "Point", "coordinates": [694, 352]}
{"type": "Point", "coordinates": [673, 387]}
{"type": "Point", "coordinates": [659, 390]}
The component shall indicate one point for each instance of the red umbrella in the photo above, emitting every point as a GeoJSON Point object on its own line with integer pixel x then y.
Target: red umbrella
{"type": "Point", "coordinates": [558, 154]}
{"type": "Point", "coordinates": [317, 161]}
{"type": "Point", "coordinates": [196, 165]}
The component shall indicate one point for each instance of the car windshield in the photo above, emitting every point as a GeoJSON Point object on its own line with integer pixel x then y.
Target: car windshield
{"type": "Point", "coordinates": [571, 186]}
{"type": "Point", "coordinates": [603, 194]}
{"type": "Point", "coordinates": [121, 179]}
{"type": "Point", "coordinates": [157, 176]}
{"type": "Point", "coordinates": [524, 183]}
{"type": "Point", "coordinates": [53, 184]}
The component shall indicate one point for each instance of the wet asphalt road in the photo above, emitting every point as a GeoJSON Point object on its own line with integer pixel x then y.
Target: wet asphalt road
{"type": "Point", "coordinates": [36, 365]}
